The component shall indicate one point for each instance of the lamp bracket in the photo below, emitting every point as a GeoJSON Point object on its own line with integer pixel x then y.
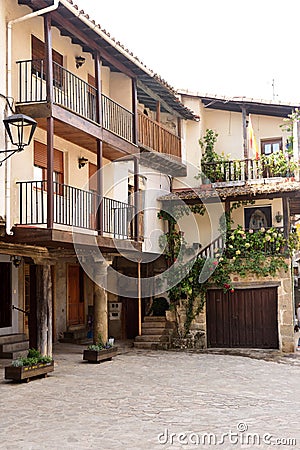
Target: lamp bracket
{"type": "Point", "coordinates": [12, 152]}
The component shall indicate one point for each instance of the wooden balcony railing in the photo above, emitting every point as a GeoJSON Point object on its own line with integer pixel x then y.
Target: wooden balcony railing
{"type": "Point", "coordinates": [153, 136]}
{"type": "Point", "coordinates": [72, 93]}
{"type": "Point", "coordinates": [73, 207]}
{"type": "Point", "coordinates": [242, 170]}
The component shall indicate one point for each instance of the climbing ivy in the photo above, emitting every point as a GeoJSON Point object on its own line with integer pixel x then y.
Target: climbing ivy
{"type": "Point", "coordinates": [261, 253]}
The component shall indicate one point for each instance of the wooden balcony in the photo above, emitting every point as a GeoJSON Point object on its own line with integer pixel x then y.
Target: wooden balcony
{"type": "Point", "coordinates": [242, 171]}
{"type": "Point", "coordinates": [161, 149]}
{"type": "Point", "coordinates": [74, 108]}
{"type": "Point", "coordinates": [75, 208]}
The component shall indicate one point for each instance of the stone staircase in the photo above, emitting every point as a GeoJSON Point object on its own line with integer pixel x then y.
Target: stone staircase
{"type": "Point", "coordinates": [156, 334]}
{"type": "Point", "coordinates": [13, 346]}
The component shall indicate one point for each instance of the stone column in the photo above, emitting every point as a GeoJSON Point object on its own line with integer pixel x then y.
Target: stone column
{"type": "Point", "coordinates": [100, 302]}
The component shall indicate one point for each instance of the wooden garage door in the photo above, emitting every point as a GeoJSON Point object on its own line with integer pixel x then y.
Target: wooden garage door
{"type": "Point", "coordinates": [246, 318]}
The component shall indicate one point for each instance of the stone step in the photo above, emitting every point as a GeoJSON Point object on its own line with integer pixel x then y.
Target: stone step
{"type": "Point", "coordinates": [152, 324]}
{"type": "Point", "coordinates": [158, 331]}
{"type": "Point", "coordinates": [154, 319]}
{"type": "Point", "coordinates": [14, 355]}
{"type": "Point", "coordinates": [152, 338]}
{"type": "Point", "coordinates": [14, 347]}
{"type": "Point", "coordinates": [10, 338]}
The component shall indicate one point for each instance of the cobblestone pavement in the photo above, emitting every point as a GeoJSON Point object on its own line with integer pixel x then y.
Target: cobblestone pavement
{"type": "Point", "coordinates": [137, 401]}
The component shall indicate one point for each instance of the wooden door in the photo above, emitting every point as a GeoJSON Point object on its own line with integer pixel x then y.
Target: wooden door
{"type": "Point", "coordinates": [75, 295]}
{"type": "Point", "coordinates": [246, 318]}
{"type": "Point", "coordinates": [5, 295]}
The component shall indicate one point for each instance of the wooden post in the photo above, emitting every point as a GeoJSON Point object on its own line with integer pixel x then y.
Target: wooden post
{"type": "Point", "coordinates": [99, 216]}
{"type": "Point", "coordinates": [286, 216]}
{"type": "Point", "coordinates": [134, 112]}
{"type": "Point", "coordinates": [158, 111]}
{"type": "Point", "coordinates": [136, 199]}
{"type": "Point", "coordinates": [244, 119]}
{"type": "Point", "coordinates": [50, 120]}
{"type": "Point", "coordinates": [100, 303]}
{"type": "Point", "coordinates": [44, 309]}
{"type": "Point", "coordinates": [139, 299]}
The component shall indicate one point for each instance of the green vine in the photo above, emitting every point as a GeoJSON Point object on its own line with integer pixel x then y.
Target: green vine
{"type": "Point", "coordinates": [261, 253]}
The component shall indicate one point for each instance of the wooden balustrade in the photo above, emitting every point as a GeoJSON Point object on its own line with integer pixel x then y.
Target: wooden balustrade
{"type": "Point", "coordinates": [154, 136]}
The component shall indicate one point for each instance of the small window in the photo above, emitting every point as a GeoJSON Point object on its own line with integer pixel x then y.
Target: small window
{"type": "Point", "coordinates": [40, 165]}
{"type": "Point", "coordinates": [269, 146]}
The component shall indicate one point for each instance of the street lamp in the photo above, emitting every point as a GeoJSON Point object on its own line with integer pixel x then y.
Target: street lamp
{"type": "Point", "coordinates": [20, 130]}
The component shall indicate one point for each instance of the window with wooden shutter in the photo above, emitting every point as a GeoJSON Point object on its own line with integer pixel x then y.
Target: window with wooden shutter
{"type": "Point", "coordinates": [39, 65]}
{"type": "Point", "coordinates": [40, 162]}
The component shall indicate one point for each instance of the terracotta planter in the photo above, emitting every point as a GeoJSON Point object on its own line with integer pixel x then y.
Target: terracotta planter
{"type": "Point", "coordinates": [101, 355]}
{"type": "Point", "coordinates": [27, 372]}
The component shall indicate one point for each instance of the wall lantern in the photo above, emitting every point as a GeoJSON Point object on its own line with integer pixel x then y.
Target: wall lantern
{"type": "Point", "coordinates": [82, 162]}
{"type": "Point", "coordinates": [278, 217]}
{"type": "Point", "coordinates": [80, 60]}
{"type": "Point", "coordinates": [20, 130]}
{"type": "Point", "coordinates": [16, 260]}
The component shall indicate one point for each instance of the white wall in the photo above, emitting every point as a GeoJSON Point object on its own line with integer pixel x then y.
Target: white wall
{"type": "Point", "coordinates": [14, 298]}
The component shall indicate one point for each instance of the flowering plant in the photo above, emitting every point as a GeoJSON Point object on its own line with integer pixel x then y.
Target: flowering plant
{"type": "Point", "coordinates": [100, 345]}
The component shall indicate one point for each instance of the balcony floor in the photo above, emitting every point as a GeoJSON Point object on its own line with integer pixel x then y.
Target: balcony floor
{"type": "Point", "coordinates": [78, 130]}
{"type": "Point", "coordinates": [54, 239]}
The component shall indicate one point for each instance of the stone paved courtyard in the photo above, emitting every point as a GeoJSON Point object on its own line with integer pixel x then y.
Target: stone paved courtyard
{"type": "Point", "coordinates": [154, 400]}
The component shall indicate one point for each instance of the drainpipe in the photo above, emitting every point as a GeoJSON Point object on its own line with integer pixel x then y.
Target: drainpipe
{"type": "Point", "coordinates": [9, 95]}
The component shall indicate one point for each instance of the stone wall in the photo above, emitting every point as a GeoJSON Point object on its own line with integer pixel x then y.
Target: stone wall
{"type": "Point", "coordinates": [283, 281]}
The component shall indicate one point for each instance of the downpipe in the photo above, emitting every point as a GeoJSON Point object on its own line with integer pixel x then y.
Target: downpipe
{"type": "Point", "coordinates": [9, 95]}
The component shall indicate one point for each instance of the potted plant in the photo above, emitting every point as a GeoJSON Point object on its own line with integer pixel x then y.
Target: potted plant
{"type": "Point", "coordinates": [100, 351]}
{"type": "Point", "coordinates": [31, 366]}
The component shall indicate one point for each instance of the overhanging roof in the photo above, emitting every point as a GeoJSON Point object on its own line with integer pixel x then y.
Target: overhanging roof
{"type": "Point", "coordinates": [80, 21]}
{"type": "Point", "coordinates": [252, 106]}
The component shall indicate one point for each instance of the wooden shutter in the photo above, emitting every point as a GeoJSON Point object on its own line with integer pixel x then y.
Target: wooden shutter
{"type": "Point", "coordinates": [38, 51]}
{"type": "Point", "coordinates": [40, 157]}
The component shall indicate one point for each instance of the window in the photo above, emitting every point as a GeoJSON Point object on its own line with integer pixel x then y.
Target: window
{"type": "Point", "coordinates": [269, 146]}
{"type": "Point", "coordinates": [39, 66]}
{"type": "Point", "coordinates": [40, 164]}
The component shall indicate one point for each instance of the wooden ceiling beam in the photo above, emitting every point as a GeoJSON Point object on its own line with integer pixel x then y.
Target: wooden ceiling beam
{"type": "Point", "coordinates": [75, 32]}
{"type": "Point", "coordinates": [156, 97]}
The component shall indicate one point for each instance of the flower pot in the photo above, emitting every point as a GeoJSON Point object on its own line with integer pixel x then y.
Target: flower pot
{"type": "Point", "coordinates": [24, 373]}
{"type": "Point", "coordinates": [96, 356]}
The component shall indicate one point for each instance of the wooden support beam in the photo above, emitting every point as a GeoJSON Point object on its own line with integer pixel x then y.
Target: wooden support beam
{"type": "Point", "coordinates": [91, 43]}
{"type": "Point", "coordinates": [156, 97]}
{"type": "Point", "coordinates": [44, 309]}
{"type": "Point", "coordinates": [136, 198]}
{"type": "Point", "coordinates": [286, 216]}
{"type": "Point", "coordinates": [99, 214]}
{"type": "Point", "coordinates": [244, 120]}
{"type": "Point", "coordinates": [50, 121]}
{"type": "Point", "coordinates": [157, 111]}
{"type": "Point", "coordinates": [135, 112]}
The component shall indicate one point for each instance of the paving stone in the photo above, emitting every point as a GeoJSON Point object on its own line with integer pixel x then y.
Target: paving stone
{"type": "Point", "coordinates": [128, 402]}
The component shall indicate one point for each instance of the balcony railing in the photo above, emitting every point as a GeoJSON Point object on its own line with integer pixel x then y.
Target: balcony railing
{"type": "Point", "coordinates": [154, 136]}
{"type": "Point", "coordinates": [243, 170]}
{"type": "Point", "coordinates": [73, 207]}
{"type": "Point", "coordinates": [72, 93]}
